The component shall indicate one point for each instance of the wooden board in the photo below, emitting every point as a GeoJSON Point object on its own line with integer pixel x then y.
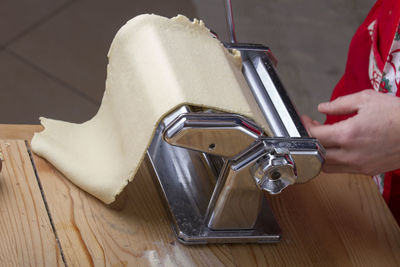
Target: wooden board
{"type": "Point", "coordinates": [139, 233]}
{"type": "Point", "coordinates": [26, 234]}
{"type": "Point", "coordinates": [19, 132]}
{"type": "Point", "coordinates": [333, 220]}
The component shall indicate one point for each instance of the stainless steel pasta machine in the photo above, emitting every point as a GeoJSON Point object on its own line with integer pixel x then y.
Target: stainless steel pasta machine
{"type": "Point", "coordinates": [213, 167]}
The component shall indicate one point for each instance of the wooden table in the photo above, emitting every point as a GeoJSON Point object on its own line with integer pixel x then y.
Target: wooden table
{"type": "Point", "coordinates": [333, 220]}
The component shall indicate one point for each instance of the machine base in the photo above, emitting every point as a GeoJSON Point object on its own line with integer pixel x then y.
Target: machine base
{"type": "Point", "coordinates": [186, 181]}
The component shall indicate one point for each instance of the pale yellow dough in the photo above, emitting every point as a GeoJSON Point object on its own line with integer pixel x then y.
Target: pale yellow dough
{"type": "Point", "coordinates": [155, 65]}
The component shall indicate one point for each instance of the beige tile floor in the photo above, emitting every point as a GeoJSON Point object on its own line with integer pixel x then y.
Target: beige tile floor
{"type": "Point", "coordinates": [53, 53]}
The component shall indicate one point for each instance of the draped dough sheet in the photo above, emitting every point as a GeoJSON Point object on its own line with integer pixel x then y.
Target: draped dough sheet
{"type": "Point", "coordinates": [155, 65]}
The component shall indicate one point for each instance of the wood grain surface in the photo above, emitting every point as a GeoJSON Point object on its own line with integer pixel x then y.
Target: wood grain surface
{"type": "Point", "coordinates": [333, 220]}
{"type": "Point", "coordinates": [26, 235]}
{"type": "Point", "coordinates": [20, 132]}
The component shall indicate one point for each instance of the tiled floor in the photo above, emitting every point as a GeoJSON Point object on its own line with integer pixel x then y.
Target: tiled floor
{"type": "Point", "coordinates": [53, 53]}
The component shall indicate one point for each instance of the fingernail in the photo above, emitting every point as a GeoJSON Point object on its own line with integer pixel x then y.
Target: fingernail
{"type": "Point", "coordinates": [323, 105]}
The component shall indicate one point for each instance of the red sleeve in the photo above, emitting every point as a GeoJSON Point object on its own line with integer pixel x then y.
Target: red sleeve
{"type": "Point", "coordinates": [355, 78]}
{"type": "Point", "coordinates": [386, 13]}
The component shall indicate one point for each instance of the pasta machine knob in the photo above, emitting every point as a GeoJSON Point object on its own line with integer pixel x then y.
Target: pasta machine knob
{"type": "Point", "coordinates": [275, 171]}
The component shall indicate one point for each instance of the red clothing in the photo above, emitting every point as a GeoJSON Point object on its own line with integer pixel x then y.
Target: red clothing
{"type": "Point", "coordinates": [386, 13]}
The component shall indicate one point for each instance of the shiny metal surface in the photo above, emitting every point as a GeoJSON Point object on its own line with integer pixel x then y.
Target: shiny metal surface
{"type": "Point", "coordinates": [230, 21]}
{"type": "Point", "coordinates": [308, 163]}
{"type": "Point", "coordinates": [274, 171]}
{"type": "Point", "coordinates": [269, 92]}
{"type": "Point", "coordinates": [235, 202]}
{"type": "Point", "coordinates": [295, 159]}
{"type": "Point", "coordinates": [224, 135]}
{"type": "Point", "coordinates": [306, 153]}
{"type": "Point", "coordinates": [213, 167]}
{"type": "Point", "coordinates": [187, 182]}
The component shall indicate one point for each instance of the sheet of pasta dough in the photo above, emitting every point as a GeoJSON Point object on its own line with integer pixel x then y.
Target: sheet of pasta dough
{"type": "Point", "coordinates": [155, 65]}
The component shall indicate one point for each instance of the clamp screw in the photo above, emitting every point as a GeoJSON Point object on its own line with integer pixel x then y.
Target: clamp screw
{"type": "Point", "coordinates": [274, 171]}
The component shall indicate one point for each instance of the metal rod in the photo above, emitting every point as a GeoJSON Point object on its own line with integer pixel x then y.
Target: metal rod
{"type": "Point", "coordinates": [265, 103]}
{"type": "Point", "coordinates": [230, 22]}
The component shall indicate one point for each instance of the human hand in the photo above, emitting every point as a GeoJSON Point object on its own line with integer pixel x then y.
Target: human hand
{"type": "Point", "coordinates": [367, 143]}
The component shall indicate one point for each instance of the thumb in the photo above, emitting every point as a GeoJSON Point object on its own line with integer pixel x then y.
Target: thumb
{"type": "Point", "coordinates": [309, 123]}
{"type": "Point", "coordinates": [341, 106]}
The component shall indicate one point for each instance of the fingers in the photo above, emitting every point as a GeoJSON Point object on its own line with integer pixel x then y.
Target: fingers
{"type": "Point", "coordinates": [336, 156]}
{"type": "Point", "coordinates": [344, 105]}
{"type": "Point", "coordinates": [306, 120]}
{"type": "Point", "coordinates": [328, 134]}
{"type": "Point", "coordinates": [309, 123]}
{"type": "Point", "coordinates": [339, 160]}
{"type": "Point", "coordinates": [335, 162]}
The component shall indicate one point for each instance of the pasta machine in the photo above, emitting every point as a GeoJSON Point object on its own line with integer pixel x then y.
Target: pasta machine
{"type": "Point", "coordinates": [213, 167]}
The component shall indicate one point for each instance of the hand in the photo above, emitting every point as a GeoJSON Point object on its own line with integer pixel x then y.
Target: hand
{"type": "Point", "coordinates": [367, 143]}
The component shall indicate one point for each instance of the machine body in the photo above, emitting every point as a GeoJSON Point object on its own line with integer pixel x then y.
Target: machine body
{"type": "Point", "coordinates": [213, 167]}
